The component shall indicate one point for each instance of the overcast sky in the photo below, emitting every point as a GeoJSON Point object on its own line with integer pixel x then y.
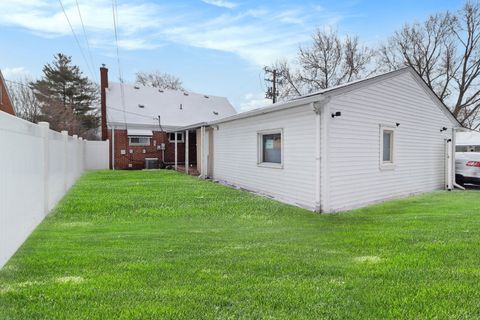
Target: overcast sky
{"type": "Point", "coordinates": [217, 47]}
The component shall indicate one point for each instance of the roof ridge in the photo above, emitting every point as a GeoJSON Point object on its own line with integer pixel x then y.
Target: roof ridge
{"type": "Point", "coordinates": [132, 85]}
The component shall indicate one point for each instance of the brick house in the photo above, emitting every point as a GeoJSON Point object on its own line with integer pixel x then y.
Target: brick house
{"type": "Point", "coordinates": [141, 123]}
{"type": "Point", "coordinates": [5, 101]}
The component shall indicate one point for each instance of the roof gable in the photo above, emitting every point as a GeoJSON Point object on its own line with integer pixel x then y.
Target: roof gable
{"type": "Point", "coordinates": [382, 77]}
{"type": "Point", "coordinates": [143, 105]}
{"type": "Point", "coordinates": [340, 89]}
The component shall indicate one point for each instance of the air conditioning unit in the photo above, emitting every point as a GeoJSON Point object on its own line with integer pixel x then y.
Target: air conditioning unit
{"type": "Point", "coordinates": [151, 163]}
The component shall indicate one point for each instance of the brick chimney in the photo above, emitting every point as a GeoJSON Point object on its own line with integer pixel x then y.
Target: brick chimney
{"type": "Point", "coordinates": [103, 99]}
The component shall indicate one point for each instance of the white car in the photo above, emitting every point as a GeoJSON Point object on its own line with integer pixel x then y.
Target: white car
{"type": "Point", "coordinates": [467, 167]}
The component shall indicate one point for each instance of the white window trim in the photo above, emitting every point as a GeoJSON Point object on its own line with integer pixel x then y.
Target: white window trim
{"type": "Point", "coordinates": [134, 144]}
{"type": "Point", "coordinates": [178, 141]}
{"type": "Point", "coordinates": [388, 165]}
{"type": "Point", "coordinates": [260, 162]}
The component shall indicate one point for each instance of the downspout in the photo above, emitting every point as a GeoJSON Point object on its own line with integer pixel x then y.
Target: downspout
{"type": "Point", "coordinates": [450, 158]}
{"type": "Point", "coordinates": [454, 145]}
{"type": "Point", "coordinates": [321, 130]}
{"type": "Point", "coordinates": [318, 165]}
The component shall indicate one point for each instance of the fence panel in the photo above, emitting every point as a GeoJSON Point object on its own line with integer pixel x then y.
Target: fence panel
{"type": "Point", "coordinates": [37, 167]}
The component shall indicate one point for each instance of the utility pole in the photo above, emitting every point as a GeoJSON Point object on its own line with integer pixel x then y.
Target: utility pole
{"type": "Point", "coordinates": [272, 92]}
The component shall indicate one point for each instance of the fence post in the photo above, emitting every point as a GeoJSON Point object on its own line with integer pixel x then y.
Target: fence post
{"type": "Point", "coordinates": [75, 161]}
{"type": "Point", "coordinates": [65, 160]}
{"type": "Point", "coordinates": [82, 155]}
{"type": "Point", "coordinates": [45, 127]}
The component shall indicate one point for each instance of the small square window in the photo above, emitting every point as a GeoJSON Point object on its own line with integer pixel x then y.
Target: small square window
{"type": "Point", "coordinates": [270, 148]}
{"type": "Point", "coordinates": [387, 147]}
{"type": "Point", "coordinates": [171, 137]}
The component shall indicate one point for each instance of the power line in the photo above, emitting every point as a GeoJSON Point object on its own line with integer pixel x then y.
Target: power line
{"type": "Point", "coordinates": [120, 75]}
{"type": "Point", "coordinates": [134, 113]}
{"type": "Point", "coordinates": [86, 40]}
{"type": "Point", "coordinates": [76, 39]}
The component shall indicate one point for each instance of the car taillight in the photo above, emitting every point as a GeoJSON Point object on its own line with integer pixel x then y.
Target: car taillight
{"type": "Point", "coordinates": [473, 164]}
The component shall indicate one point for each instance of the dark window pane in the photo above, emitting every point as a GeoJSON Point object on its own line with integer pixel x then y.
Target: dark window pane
{"type": "Point", "coordinates": [272, 148]}
{"type": "Point", "coordinates": [387, 146]}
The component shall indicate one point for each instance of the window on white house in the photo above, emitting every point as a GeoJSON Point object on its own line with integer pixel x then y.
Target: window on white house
{"type": "Point", "coordinates": [139, 141]}
{"type": "Point", "coordinates": [171, 137]}
{"type": "Point", "coordinates": [387, 147]}
{"type": "Point", "coordinates": [270, 148]}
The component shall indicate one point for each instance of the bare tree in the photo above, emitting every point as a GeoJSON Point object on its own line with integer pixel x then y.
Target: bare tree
{"type": "Point", "coordinates": [445, 51]}
{"type": "Point", "coordinates": [329, 61]}
{"type": "Point", "coordinates": [159, 80]}
{"type": "Point", "coordinates": [61, 118]}
{"type": "Point", "coordinates": [24, 101]}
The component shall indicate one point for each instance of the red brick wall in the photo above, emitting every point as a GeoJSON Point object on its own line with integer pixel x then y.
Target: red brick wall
{"type": "Point", "coordinates": [5, 103]}
{"type": "Point", "coordinates": [137, 158]}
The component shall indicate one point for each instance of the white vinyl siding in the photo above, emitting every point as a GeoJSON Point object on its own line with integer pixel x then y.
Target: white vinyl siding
{"type": "Point", "coordinates": [354, 143]}
{"type": "Point", "coordinates": [236, 155]}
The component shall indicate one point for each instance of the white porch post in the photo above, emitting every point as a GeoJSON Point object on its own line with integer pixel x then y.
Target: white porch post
{"type": "Point", "coordinates": [176, 150]}
{"type": "Point", "coordinates": [113, 148]}
{"type": "Point", "coordinates": [202, 151]}
{"type": "Point", "coordinates": [186, 152]}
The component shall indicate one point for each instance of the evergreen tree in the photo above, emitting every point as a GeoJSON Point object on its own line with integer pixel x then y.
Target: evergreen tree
{"type": "Point", "coordinates": [67, 98]}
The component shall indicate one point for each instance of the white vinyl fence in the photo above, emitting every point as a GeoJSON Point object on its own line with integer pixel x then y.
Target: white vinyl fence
{"type": "Point", "coordinates": [37, 167]}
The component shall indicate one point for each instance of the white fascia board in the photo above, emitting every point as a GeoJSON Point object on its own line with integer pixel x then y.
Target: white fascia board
{"type": "Point", "coordinates": [274, 108]}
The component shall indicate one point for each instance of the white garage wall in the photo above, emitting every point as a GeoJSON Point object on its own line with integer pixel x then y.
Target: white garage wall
{"type": "Point", "coordinates": [37, 167]}
{"type": "Point", "coordinates": [354, 175]}
{"type": "Point", "coordinates": [235, 155]}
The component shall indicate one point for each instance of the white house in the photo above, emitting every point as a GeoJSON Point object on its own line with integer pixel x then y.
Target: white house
{"type": "Point", "coordinates": [368, 141]}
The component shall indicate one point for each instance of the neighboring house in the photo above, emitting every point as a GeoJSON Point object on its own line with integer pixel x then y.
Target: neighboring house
{"type": "Point", "coordinates": [468, 141]}
{"type": "Point", "coordinates": [5, 101]}
{"type": "Point", "coordinates": [136, 119]}
{"type": "Point", "coordinates": [341, 148]}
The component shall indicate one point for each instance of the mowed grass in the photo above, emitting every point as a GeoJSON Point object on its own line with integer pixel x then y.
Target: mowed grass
{"type": "Point", "coordinates": [159, 245]}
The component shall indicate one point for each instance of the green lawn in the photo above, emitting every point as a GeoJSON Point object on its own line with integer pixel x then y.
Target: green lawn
{"type": "Point", "coordinates": [152, 245]}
